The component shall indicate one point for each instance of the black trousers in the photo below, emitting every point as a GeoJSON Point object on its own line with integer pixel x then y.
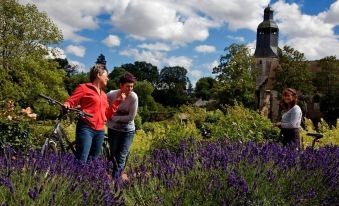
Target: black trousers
{"type": "Point", "coordinates": [290, 137]}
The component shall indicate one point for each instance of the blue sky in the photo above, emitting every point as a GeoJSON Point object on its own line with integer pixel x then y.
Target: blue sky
{"type": "Point", "coordinates": [191, 33]}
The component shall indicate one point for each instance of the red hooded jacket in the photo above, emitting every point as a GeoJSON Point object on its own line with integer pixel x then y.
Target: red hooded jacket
{"type": "Point", "coordinates": [93, 103]}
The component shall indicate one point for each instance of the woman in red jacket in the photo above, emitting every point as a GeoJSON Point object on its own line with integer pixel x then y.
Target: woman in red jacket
{"type": "Point", "coordinates": [92, 99]}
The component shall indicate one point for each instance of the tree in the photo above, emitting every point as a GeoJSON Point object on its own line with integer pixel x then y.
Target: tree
{"type": "Point", "coordinates": [327, 83]}
{"type": "Point", "coordinates": [144, 90]}
{"type": "Point", "coordinates": [26, 36]}
{"type": "Point", "coordinates": [236, 76]}
{"type": "Point", "coordinates": [114, 76]}
{"type": "Point", "coordinates": [293, 72]}
{"type": "Point", "coordinates": [143, 71]}
{"type": "Point", "coordinates": [205, 88]}
{"type": "Point", "coordinates": [172, 86]}
{"type": "Point", "coordinates": [66, 66]}
{"type": "Point", "coordinates": [24, 32]}
{"type": "Point", "coordinates": [101, 60]}
{"type": "Point", "coordinates": [73, 81]}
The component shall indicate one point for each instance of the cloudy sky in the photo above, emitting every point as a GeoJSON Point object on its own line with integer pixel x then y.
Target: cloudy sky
{"type": "Point", "coordinates": [188, 33]}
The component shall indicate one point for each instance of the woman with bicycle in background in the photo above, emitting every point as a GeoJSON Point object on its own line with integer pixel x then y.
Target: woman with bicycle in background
{"type": "Point", "coordinates": [121, 127]}
{"type": "Point", "coordinates": [291, 118]}
{"type": "Point", "coordinates": [93, 100]}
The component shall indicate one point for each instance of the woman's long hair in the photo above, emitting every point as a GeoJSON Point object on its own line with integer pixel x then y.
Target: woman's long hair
{"type": "Point", "coordinates": [283, 104]}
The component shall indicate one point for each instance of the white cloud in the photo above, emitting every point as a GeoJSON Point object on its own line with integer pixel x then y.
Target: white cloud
{"type": "Point", "coordinates": [158, 58]}
{"type": "Point", "coordinates": [179, 61]}
{"type": "Point", "coordinates": [207, 68]}
{"type": "Point", "coordinates": [169, 20]}
{"type": "Point", "coordinates": [205, 49]}
{"type": "Point", "coordinates": [332, 15]}
{"type": "Point", "coordinates": [312, 35]}
{"type": "Point", "coordinates": [76, 50]}
{"type": "Point", "coordinates": [153, 57]}
{"type": "Point", "coordinates": [80, 66]}
{"type": "Point", "coordinates": [155, 47]}
{"type": "Point", "coordinates": [160, 20]}
{"type": "Point", "coordinates": [196, 74]}
{"type": "Point", "coordinates": [236, 38]}
{"type": "Point", "coordinates": [56, 53]}
{"type": "Point", "coordinates": [111, 41]}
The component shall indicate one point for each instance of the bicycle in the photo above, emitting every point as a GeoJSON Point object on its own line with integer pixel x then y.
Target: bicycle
{"type": "Point", "coordinates": [58, 140]}
{"type": "Point", "coordinates": [316, 137]}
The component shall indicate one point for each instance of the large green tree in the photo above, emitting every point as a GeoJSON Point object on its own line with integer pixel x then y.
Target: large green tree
{"type": "Point", "coordinates": [144, 90]}
{"type": "Point", "coordinates": [236, 76]}
{"type": "Point", "coordinates": [327, 83]}
{"type": "Point", "coordinates": [26, 36]}
{"type": "Point", "coordinates": [172, 87]}
{"type": "Point", "coordinates": [205, 88]}
{"type": "Point", "coordinates": [142, 71]}
{"type": "Point", "coordinates": [293, 72]}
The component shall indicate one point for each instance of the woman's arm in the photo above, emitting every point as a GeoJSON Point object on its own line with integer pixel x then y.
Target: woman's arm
{"type": "Point", "coordinates": [132, 112]}
{"type": "Point", "coordinates": [74, 99]}
{"type": "Point", "coordinates": [110, 111]}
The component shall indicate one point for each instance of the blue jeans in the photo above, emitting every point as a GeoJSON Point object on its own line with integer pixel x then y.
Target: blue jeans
{"type": "Point", "coordinates": [88, 142]}
{"type": "Point", "coordinates": [119, 143]}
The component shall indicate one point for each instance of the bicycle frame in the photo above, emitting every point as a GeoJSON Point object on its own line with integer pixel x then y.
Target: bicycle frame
{"type": "Point", "coordinates": [59, 136]}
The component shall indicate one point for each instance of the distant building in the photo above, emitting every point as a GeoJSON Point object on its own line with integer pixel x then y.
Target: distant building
{"type": "Point", "coordinates": [266, 55]}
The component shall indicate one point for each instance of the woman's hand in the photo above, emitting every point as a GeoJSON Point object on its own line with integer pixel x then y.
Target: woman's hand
{"type": "Point", "coordinates": [278, 124]}
{"type": "Point", "coordinates": [121, 96]}
{"type": "Point", "coordinates": [67, 105]}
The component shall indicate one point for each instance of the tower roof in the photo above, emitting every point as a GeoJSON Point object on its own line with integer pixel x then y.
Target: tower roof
{"type": "Point", "coordinates": [268, 24]}
{"type": "Point", "coordinates": [268, 19]}
{"type": "Point", "coordinates": [268, 9]}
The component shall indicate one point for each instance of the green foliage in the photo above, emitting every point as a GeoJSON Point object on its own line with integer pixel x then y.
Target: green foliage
{"type": "Point", "coordinates": [331, 134]}
{"type": "Point", "coordinates": [25, 71]}
{"type": "Point", "coordinates": [114, 77]}
{"type": "Point", "coordinates": [293, 72]}
{"type": "Point", "coordinates": [169, 134]}
{"type": "Point", "coordinates": [144, 90]}
{"type": "Point", "coordinates": [172, 86]}
{"type": "Point", "coordinates": [24, 32]}
{"type": "Point", "coordinates": [101, 59]}
{"type": "Point", "coordinates": [326, 82]}
{"type": "Point", "coordinates": [142, 71]}
{"type": "Point", "coordinates": [73, 81]}
{"type": "Point", "coordinates": [16, 135]}
{"type": "Point", "coordinates": [236, 76]}
{"type": "Point", "coordinates": [205, 88]}
{"type": "Point", "coordinates": [238, 124]}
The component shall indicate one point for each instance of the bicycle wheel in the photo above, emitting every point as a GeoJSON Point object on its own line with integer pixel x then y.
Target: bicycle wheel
{"type": "Point", "coordinates": [105, 150]}
{"type": "Point", "coordinates": [49, 147]}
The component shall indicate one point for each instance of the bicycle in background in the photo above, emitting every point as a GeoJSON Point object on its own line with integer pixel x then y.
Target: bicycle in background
{"type": "Point", "coordinates": [58, 140]}
{"type": "Point", "coordinates": [316, 137]}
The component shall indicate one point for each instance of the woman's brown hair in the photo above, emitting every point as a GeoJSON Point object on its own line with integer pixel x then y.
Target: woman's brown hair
{"type": "Point", "coordinates": [283, 104]}
{"type": "Point", "coordinates": [95, 70]}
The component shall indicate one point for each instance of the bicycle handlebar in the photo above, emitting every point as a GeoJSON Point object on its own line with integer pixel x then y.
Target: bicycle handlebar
{"type": "Point", "coordinates": [53, 101]}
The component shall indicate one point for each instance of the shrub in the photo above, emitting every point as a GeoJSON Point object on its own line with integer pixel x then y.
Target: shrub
{"type": "Point", "coordinates": [249, 173]}
{"type": "Point", "coordinates": [15, 134]}
{"type": "Point", "coordinates": [30, 179]}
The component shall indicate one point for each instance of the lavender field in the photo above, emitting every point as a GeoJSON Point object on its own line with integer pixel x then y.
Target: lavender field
{"type": "Point", "coordinates": [196, 173]}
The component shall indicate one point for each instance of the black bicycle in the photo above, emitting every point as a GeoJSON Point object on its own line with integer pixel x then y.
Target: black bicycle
{"type": "Point", "coordinates": [58, 140]}
{"type": "Point", "coordinates": [316, 137]}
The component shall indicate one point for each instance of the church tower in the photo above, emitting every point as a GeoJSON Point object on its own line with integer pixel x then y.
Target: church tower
{"type": "Point", "coordinates": [267, 36]}
{"type": "Point", "coordinates": [266, 55]}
